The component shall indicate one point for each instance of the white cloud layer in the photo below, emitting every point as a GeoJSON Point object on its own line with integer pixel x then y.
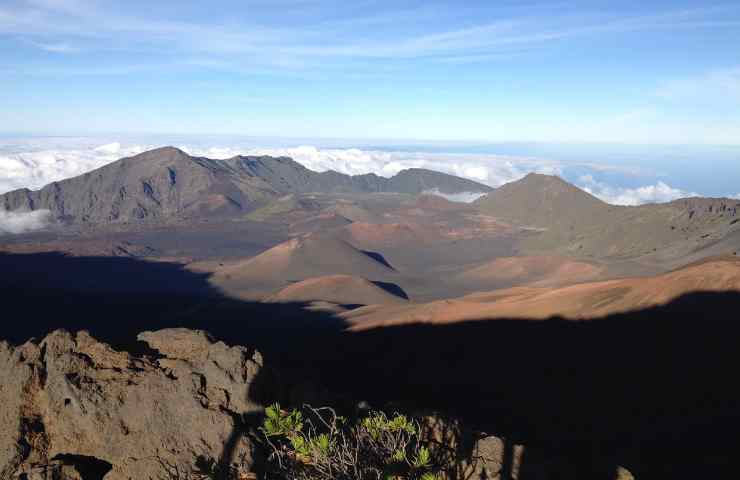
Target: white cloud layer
{"type": "Point", "coordinates": [109, 148]}
{"type": "Point", "coordinates": [35, 163]}
{"type": "Point", "coordinates": [35, 166]}
{"type": "Point", "coordinates": [23, 222]}
{"type": "Point", "coordinates": [491, 170]}
{"type": "Point", "coordinates": [657, 193]}
{"type": "Point", "coordinates": [462, 197]}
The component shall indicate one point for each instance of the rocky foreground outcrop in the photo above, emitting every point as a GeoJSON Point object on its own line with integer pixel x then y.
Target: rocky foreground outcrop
{"type": "Point", "coordinates": [72, 407]}
{"type": "Point", "coordinates": [184, 408]}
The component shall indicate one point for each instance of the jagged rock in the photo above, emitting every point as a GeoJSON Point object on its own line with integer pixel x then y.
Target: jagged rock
{"type": "Point", "coordinates": [75, 405]}
{"type": "Point", "coordinates": [472, 454]}
{"type": "Point", "coordinates": [14, 376]}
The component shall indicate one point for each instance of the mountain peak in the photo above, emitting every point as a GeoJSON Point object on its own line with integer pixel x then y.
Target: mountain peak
{"type": "Point", "coordinates": [167, 150]}
{"type": "Point", "coordinates": [161, 154]}
{"type": "Point", "coordinates": [546, 186]}
{"type": "Point", "coordinates": [543, 179]}
{"type": "Point", "coordinates": [539, 200]}
{"type": "Point", "coordinates": [420, 180]}
{"type": "Point", "coordinates": [167, 183]}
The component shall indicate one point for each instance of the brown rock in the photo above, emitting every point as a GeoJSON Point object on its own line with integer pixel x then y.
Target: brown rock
{"type": "Point", "coordinates": [72, 404]}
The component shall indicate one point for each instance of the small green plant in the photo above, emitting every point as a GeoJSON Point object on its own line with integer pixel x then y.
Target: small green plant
{"type": "Point", "coordinates": [317, 444]}
{"type": "Point", "coordinates": [280, 423]}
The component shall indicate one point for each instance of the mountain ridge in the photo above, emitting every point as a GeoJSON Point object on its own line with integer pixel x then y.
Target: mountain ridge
{"type": "Point", "coordinates": [167, 183]}
{"type": "Point", "coordinates": [569, 220]}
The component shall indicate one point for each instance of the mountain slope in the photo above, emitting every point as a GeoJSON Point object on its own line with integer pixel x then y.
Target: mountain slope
{"type": "Point", "coordinates": [533, 271]}
{"type": "Point", "coordinates": [157, 184]}
{"type": "Point", "coordinates": [341, 289]}
{"type": "Point", "coordinates": [582, 301]}
{"type": "Point", "coordinates": [167, 183]}
{"type": "Point", "coordinates": [295, 260]}
{"type": "Point", "coordinates": [542, 201]}
{"type": "Point", "coordinates": [568, 220]}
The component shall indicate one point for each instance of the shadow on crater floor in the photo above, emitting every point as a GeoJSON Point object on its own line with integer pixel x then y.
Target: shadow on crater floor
{"type": "Point", "coordinates": [653, 390]}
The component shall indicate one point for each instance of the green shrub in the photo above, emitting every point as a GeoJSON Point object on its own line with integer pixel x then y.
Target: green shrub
{"type": "Point", "coordinates": [317, 444]}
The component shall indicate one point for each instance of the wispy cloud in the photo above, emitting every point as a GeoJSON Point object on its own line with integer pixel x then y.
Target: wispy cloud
{"type": "Point", "coordinates": [23, 222]}
{"type": "Point", "coordinates": [634, 115]}
{"type": "Point", "coordinates": [68, 26]}
{"type": "Point", "coordinates": [57, 47]}
{"type": "Point", "coordinates": [462, 197]}
{"type": "Point", "coordinates": [714, 86]}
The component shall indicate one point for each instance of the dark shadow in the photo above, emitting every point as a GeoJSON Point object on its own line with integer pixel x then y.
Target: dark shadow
{"type": "Point", "coordinates": [115, 298]}
{"type": "Point", "coordinates": [89, 468]}
{"type": "Point", "coordinates": [642, 389]}
{"type": "Point", "coordinates": [378, 257]}
{"type": "Point", "coordinates": [393, 289]}
{"type": "Point", "coordinates": [652, 390]}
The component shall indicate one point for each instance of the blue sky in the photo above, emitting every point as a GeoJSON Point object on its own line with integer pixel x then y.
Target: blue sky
{"type": "Point", "coordinates": [627, 72]}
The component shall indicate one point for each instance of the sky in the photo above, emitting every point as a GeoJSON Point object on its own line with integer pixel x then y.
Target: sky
{"type": "Point", "coordinates": [633, 101]}
{"type": "Point", "coordinates": [655, 72]}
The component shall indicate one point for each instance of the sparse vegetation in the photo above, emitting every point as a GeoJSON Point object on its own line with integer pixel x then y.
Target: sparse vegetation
{"type": "Point", "coordinates": [318, 444]}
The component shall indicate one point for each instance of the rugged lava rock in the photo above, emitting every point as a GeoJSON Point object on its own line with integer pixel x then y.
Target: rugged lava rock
{"type": "Point", "coordinates": [76, 406]}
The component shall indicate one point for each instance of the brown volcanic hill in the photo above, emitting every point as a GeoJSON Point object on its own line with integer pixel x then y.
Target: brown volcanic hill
{"type": "Point", "coordinates": [318, 223]}
{"type": "Point", "coordinates": [166, 183]}
{"type": "Point", "coordinates": [373, 235]}
{"type": "Point", "coordinates": [340, 289]}
{"type": "Point", "coordinates": [570, 221]}
{"type": "Point", "coordinates": [531, 270]}
{"type": "Point", "coordinates": [154, 185]}
{"type": "Point", "coordinates": [587, 300]}
{"type": "Point", "coordinates": [542, 201]}
{"type": "Point", "coordinates": [298, 259]}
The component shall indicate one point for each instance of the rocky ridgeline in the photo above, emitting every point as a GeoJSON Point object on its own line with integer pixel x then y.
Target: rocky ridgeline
{"type": "Point", "coordinates": [166, 184]}
{"type": "Point", "coordinates": [73, 407]}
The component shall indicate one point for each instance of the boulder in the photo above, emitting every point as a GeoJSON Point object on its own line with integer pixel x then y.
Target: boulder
{"type": "Point", "coordinates": [78, 408]}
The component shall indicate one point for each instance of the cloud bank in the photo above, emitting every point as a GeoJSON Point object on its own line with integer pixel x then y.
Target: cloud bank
{"type": "Point", "coordinates": [23, 222]}
{"type": "Point", "coordinates": [657, 193]}
{"type": "Point", "coordinates": [35, 163]}
{"type": "Point", "coordinates": [33, 166]}
{"type": "Point", "coordinates": [492, 170]}
{"type": "Point", "coordinates": [462, 197]}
